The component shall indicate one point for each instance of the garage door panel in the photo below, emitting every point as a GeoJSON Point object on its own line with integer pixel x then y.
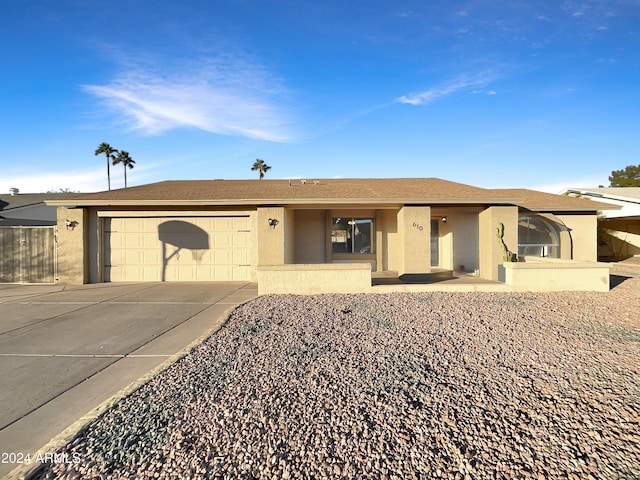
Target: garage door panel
{"type": "Point", "coordinates": [151, 257]}
{"type": "Point", "coordinates": [241, 271]}
{"type": "Point", "coordinates": [131, 257]}
{"type": "Point", "coordinates": [240, 223]}
{"type": "Point", "coordinates": [223, 239]}
{"type": "Point", "coordinates": [222, 257]}
{"type": "Point", "coordinates": [241, 240]}
{"type": "Point", "coordinates": [222, 224]}
{"type": "Point", "coordinates": [149, 240]}
{"type": "Point", "coordinates": [238, 257]}
{"type": "Point", "coordinates": [221, 272]}
{"type": "Point", "coordinates": [177, 249]}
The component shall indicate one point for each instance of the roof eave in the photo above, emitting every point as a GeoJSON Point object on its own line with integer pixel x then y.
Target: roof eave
{"type": "Point", "coordinates": [598, 195]}
{"type": "Point", "coordinates": [279, 201]}
{"type": "Point", "coordinates": [542, 209]}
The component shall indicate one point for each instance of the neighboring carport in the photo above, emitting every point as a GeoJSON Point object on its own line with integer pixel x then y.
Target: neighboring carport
{"type": "Point", "coordinates": [65, 350]}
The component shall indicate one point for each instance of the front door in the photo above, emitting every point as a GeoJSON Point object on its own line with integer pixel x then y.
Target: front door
{"type": "Point", "coordinates": [435, 243]}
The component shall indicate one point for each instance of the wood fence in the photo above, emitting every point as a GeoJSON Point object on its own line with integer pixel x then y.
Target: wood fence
{"type": "Point", "coordinates": [27, 255]}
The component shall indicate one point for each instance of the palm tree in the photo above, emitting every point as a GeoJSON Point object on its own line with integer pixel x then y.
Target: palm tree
{"type": "Point", "coordinates": [126, 161]}
{"type": "Point", "coordinates": [261, 167]}
{"type": "Point", "coordinates": [109, 152]}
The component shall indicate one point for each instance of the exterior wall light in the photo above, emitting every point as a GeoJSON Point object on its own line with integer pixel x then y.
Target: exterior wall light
{"type": "Point", "coordinates": [273, 222]}
{"type": "Point", "coordinates": [444, 219]}
{"type": "Point", "coordinates": [70, 224]}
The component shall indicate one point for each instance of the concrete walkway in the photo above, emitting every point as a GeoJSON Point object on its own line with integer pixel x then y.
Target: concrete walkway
{"type": "Point", "coordinates": [65, 350]}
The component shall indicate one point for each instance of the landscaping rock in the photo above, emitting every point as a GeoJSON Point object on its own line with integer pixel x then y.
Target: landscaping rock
{"type": "Point", "coordinates": [398, 386]}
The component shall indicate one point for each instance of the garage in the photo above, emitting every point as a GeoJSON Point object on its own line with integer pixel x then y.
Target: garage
{"type": "Point", "coordinates": [152, 249]}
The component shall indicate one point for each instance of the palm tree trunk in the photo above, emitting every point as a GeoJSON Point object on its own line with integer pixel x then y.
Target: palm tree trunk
{"type": "Point", "coordinates": [125, 175]}
{"type": "Point", "coordinates": [108, 172]}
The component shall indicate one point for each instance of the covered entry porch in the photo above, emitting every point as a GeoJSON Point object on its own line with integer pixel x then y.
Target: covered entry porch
{"type": "Point", "coordinates": [401, 240]}
{"type": "Point", "coordinates": [349, 249]}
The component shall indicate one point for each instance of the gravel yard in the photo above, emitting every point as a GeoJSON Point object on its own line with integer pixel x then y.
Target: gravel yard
{"type": "Point", "coordinates": [406, 386]}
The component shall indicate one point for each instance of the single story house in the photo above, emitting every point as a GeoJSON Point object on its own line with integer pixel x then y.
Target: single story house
{"type": "Point", "coordinates": [619, 230]}
{"type": "Point", "coordinates": [27, 209]}
{"type": "Point", "coordinates": [328, 235]}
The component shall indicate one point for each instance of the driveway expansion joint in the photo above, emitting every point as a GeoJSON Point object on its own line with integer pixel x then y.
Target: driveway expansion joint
{"type": "Point", "coordinates": [195, 319]}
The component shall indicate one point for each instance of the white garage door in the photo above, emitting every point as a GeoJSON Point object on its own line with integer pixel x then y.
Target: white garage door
{"type": "Point", "coordinates": [177, 249]}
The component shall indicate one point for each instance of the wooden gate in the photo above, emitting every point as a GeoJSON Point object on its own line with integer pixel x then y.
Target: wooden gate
{"type": "Point", "coordinates": [27, 255]}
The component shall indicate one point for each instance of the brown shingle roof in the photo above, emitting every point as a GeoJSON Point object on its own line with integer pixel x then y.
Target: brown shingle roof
{"type": "Point", "coordinates": [353, 191]}
{"type": "Point", "coordinates": [396, 190]}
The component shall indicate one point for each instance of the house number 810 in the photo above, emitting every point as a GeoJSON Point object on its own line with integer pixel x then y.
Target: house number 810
{"type": "Point", "coordinates": [418, 226]}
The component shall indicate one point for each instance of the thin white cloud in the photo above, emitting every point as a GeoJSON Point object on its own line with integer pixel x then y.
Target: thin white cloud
{"type": "Point", "coordinates": [462, 83]}
{"type": "Point", "coordinates": [88, 181]}
{"type": "Point", "coordinates": [85, 181]}
{"type": "Point", "coordinates": [223, 95]}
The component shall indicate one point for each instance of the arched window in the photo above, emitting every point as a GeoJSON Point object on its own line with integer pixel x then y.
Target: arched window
{"type": "Point", "coordinates": [537, 237]}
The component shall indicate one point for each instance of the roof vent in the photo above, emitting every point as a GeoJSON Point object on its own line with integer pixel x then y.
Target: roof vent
{"type": "Point", "coordinates": [14, 191]}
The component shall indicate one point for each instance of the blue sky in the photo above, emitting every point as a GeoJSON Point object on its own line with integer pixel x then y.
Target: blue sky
{"type": "Point", "coordinates": [535, 94]}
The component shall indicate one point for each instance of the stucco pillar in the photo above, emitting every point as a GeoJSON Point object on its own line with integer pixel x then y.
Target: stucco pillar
{"type": "Point", "coordinates": [272, 228]}
{"type": "Point", "coordinates": [491, 252]}
{"type": "Point", "coordinates": [578, 237]}
{"type": "Point", "coordinates": [414, 225]}
{"type": "Point", "coordinates": [72, 255]}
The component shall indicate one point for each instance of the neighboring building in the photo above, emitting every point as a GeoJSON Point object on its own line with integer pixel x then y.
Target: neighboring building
{"type": "Point", "coordinates": [619, 230]}
{"type": "Point", "coordinates": [324, 235]}
{"type": "Point", "coordinates": [27, 237]}
{"type": "Point", "coordinates": [27, 209]}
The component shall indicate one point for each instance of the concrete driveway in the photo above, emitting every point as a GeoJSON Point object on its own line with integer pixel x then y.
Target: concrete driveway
{"type": "Point", "coordinates": [66, 349]}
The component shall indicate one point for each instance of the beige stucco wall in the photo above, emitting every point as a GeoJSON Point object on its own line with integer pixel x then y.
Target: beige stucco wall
{"type": "Point", "coordinates": [583, 230]}
{"type": "Point", "coordinates": [306, 279]}
{"type": "Point", "coordinates": [414, 227]}
{"type": "Point", "coordinates": [310, 236]}
{"type": "Point", "coordinates": [388, 240]}
{"type": "Point", "coordinates": [491, 252]}
{"type": "Point", "coordinates": [72, 267]}
{"type": "Point", "coordinates": [465, 240]}
{"type": "Point", "coordinates": [536, 274]}
{"type": "Point", "coordinates": [271, 241]}
{"type": "Point", "coordinates": [289, 235]}
{"type": "Point", "coordinates": [312, 245]}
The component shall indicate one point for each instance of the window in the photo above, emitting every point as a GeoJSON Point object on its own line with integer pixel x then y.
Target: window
{"type": "Point", "coordinates": [537, 237]}
{"type": "Point", "coordinates": [351, 235]}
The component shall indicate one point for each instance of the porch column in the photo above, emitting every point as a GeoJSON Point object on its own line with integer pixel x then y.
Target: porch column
{"type": "Point", "coordinates": [271, 235]}
{"type": "Point", "coordinates": [73, 258]}
{"type": "Point", "coordinates": [491, 252]}
{"type": "Point", "coordinates": [414, 226]}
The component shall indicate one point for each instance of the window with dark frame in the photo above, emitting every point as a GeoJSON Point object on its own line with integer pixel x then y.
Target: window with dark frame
{"type": "Point", "coordinates": [537, 237]}
{"type": "Point", "coordinates": [351, 235]}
